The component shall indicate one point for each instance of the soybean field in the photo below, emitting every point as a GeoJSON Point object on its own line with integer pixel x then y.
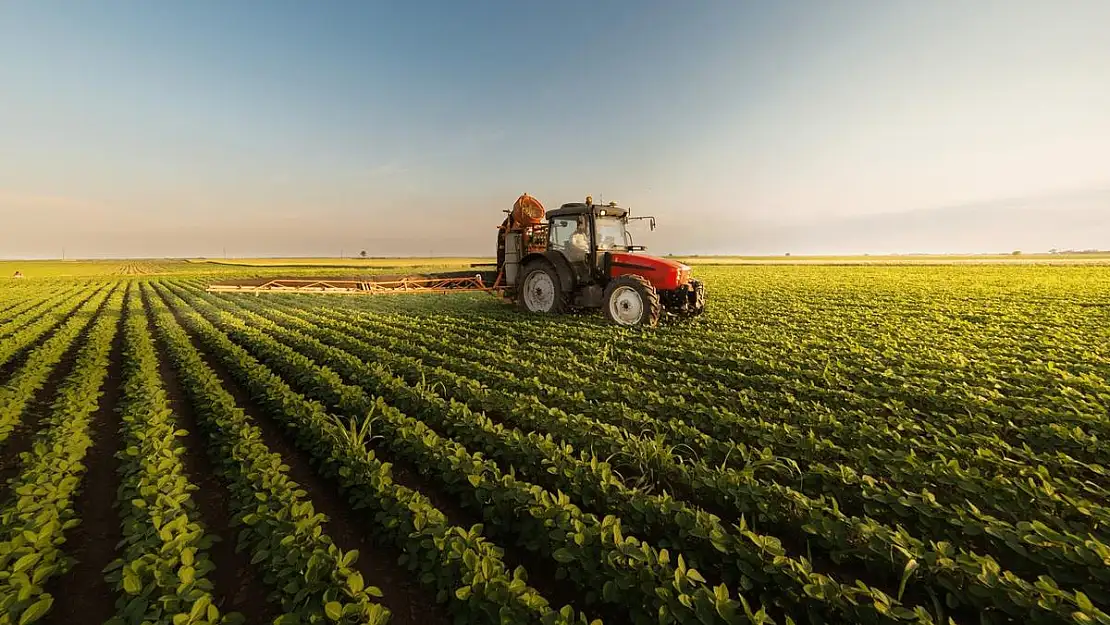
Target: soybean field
{"type": "Point", "coordinates": [827, 444]}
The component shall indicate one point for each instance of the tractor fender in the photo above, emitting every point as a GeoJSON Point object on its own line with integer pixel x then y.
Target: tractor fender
{"type": "Point", "coordinates": [567, 280]}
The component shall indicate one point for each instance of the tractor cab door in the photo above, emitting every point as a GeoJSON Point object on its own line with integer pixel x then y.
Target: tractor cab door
{"type": "Point", "coordinates": [570, 235]}
{"type": "Point", "coordinates": [611, 237]}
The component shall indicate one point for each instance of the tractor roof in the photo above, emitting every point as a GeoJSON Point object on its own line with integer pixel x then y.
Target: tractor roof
{"type": "Point", "coordinates": [581, 208]}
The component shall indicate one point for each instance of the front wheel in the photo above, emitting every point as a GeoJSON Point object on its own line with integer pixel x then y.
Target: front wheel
{"type": "Point", "coordinates": [631, 301]}
{"type": "Point", "coordinates": [697, 300]}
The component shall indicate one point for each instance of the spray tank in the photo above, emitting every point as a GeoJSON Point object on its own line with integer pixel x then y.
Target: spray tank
{"type": "Point", "coordinates": [522, 231]}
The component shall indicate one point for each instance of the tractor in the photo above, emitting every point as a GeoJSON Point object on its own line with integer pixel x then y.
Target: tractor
{"type": "Point", "coordinates": [581, 256]}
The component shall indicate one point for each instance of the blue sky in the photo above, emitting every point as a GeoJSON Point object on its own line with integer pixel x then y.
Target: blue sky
{"type": "Point", "coordinates": [298, 128]}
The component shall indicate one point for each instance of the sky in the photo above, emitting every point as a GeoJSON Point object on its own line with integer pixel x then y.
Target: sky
{"type": "Point", "coordinates": [291, 128]}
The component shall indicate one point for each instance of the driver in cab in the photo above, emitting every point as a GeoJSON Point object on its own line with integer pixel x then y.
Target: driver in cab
{"type": "Point", "coordinates": [579, 244]}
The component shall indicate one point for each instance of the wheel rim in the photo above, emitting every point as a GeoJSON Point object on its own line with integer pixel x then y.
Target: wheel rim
{"type": "Point", "coordinates": [626, 307]}
{"type": "Point", "coordinates": [539, 292]}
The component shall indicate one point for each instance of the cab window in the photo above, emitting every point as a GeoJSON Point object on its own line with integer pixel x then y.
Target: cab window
{"type": "Point", "coordinates": [569, 235]}
{"type": "Point", "coordinates": [562, 229]}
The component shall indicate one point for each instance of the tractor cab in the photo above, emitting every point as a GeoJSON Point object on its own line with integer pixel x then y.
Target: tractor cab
{"type": "Point", "coordinates": [583, 257]}
{"type": "Point", "coordinates": [584, 233]}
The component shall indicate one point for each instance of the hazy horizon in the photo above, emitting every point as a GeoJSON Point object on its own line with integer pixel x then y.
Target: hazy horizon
{"type": "Point", "coordinates": [292, 129]}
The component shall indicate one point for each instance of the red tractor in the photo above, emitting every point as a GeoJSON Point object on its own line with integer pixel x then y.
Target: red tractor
{"type": "Point", "coordinates": [580, 255]}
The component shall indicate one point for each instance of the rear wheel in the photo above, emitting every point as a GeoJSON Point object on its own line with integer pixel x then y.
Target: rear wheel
{"type": "Point", "coordinates": [540, 291]}
{"type": "Point", "coordinates": [631, 301]}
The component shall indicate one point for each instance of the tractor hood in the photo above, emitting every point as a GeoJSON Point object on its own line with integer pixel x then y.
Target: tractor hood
{"type": "Point", "coordinates": [663, 273]}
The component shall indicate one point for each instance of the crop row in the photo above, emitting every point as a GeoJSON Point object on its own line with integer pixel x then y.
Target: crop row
{"type": "Point", "coordinates": [161, 577]}
{"type": "Point", "coordinates": [34, 522]}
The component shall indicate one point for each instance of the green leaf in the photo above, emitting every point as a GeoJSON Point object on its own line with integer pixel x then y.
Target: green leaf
{"type": "Point", "coordinates": [36, 610]}
{"type": "Point", "coordinates": [911, 566]}
{"type": "Point", "coordinates": [355, 583]}
{"type": "Point", "coordinates": [200, 608]}
{"type": "Point", "coordinates": [563, 555]}
{"type": "Point", "coordinates": [1083, 602]}
{"type": "Point", "coordinates": [463, 592]}
{"type": "Point", "coordinates": [26, 561]}
{"type": "Point", "coordinates": [131, 583]}
{"type": "Point", "coordinates": [334, 610]}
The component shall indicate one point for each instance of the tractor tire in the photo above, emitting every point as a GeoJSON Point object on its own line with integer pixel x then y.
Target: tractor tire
{"type": "Point", "coordinates": [632, 301]}
{"type": "Point", "coordinates": [540, 290]}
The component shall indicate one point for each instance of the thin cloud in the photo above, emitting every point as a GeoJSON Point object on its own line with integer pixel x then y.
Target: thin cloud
{"type": "Point", "coordinates": [388, 170]}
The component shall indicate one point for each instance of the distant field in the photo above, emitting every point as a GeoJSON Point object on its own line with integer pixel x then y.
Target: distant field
{"type": "Point", "coordinates": [87, 268]}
